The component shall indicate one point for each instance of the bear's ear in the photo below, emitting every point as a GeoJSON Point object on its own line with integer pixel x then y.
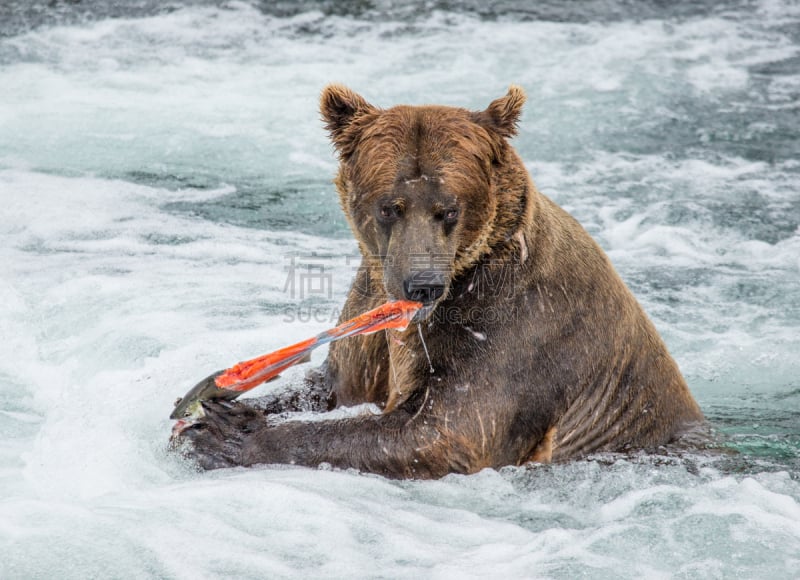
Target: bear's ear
{"type": "Point", "coordinates": [502, 115]}
{"type": "Point", "coordinates": [339, 107]}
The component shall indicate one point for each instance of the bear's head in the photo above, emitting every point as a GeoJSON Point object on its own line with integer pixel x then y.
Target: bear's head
{"type": "Point", "coordinates": [427, 190]}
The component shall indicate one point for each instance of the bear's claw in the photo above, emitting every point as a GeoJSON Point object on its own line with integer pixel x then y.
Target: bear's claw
{"type": "Point", "coordinates": [215, 440]}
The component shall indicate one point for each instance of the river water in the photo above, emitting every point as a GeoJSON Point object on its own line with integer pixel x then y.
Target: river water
{"type": "Point", "coordinates": [167, 210]}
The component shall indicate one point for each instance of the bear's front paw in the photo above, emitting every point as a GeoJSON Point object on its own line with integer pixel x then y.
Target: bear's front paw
{"type": "Point", "coordinates": [215, 441]}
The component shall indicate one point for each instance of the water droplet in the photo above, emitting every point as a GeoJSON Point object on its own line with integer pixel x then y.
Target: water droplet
{"type": "Point", "coordinates": [425, 348]}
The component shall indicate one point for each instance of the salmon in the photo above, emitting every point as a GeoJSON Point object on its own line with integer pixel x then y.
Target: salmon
{"type": "Point", "coordinates": [241, 377]}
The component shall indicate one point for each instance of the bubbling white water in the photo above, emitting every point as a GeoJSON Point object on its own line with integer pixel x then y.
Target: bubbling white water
{"type": "Point", "coordinates": [159, 178]}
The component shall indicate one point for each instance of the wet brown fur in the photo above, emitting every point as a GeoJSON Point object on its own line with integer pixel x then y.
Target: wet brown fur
{"type": "Point", "coordinates": [569, 366]}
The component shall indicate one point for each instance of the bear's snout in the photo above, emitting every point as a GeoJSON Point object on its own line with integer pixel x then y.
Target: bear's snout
{"type": "Point", "coordinates": [425, 286]}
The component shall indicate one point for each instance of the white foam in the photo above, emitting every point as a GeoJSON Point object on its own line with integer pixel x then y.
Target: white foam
{"type": "Point", "coordinates": [255, 78]}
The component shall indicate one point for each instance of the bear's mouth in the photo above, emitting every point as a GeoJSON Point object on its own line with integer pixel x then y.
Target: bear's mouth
{"type": "Point", "coordinates": [421, 315]}
{"type": "Point", "coordinates": [424, 313]}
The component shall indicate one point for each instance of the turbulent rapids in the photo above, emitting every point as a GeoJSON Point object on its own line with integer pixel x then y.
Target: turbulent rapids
{"type": "Point", "coordinates": [167, 204]}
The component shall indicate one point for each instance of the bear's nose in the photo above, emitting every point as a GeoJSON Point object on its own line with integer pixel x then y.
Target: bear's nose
{"type": "Point", "coordinates": [425, 286]}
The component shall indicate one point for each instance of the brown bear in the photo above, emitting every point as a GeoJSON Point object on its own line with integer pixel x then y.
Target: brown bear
{"type": "Point", "coordinates": [529, 346]}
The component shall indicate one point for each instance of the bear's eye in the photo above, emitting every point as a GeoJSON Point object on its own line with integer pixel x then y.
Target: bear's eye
{"type": "Point", "coordinates": [450, 215]}
{"type": "Point", "coordinates": [390, 212]}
